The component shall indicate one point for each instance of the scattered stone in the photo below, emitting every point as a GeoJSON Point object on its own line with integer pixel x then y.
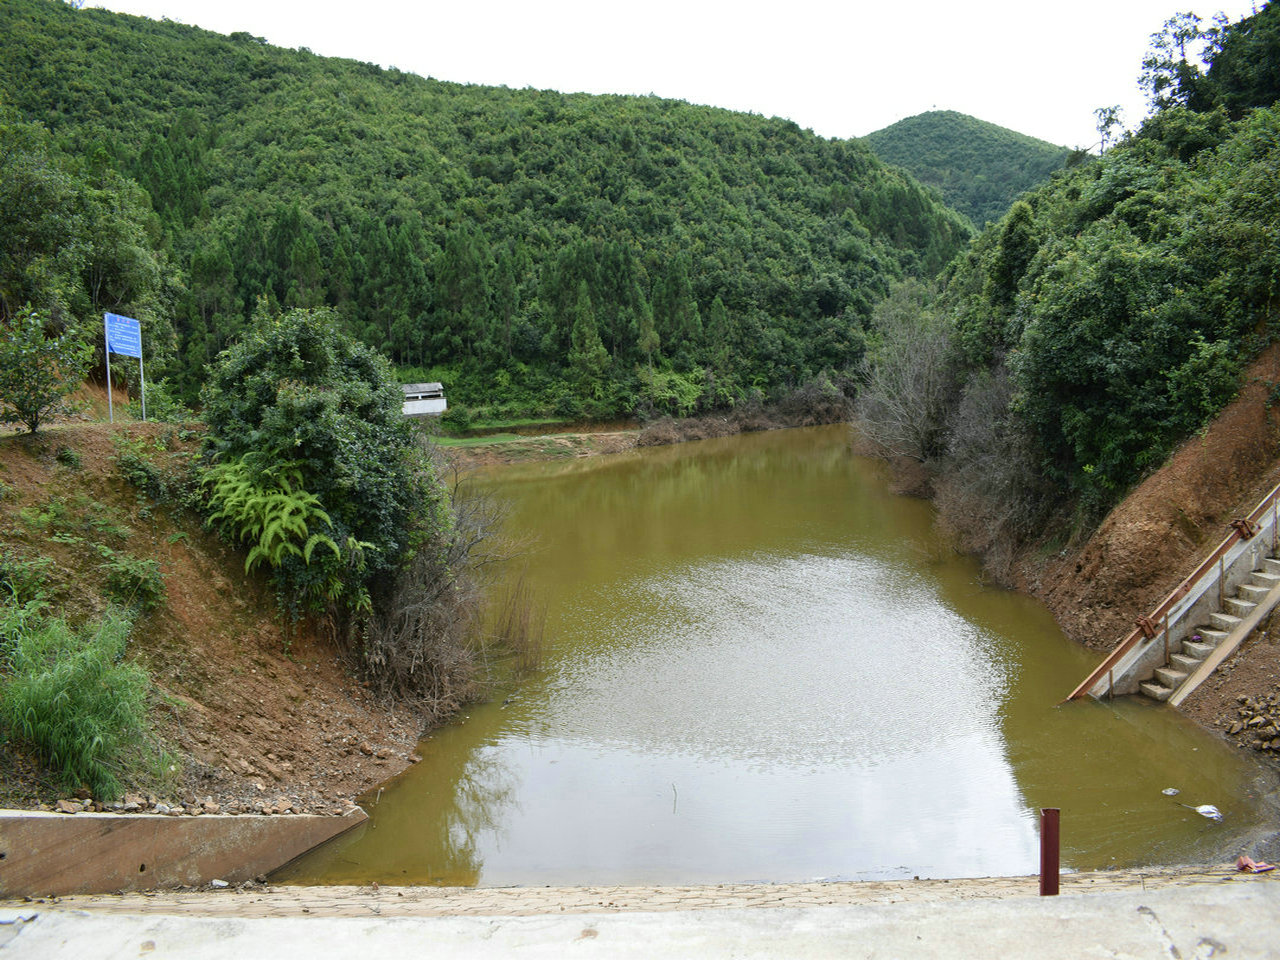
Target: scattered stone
{"type": "Point", "coordinates": [67, 806]}
{"type": "Point", "coordinates": [366, 748]}
{"type": "Point", "coordinates": [161, 808]}
{"type": "Point", "coordinates": [209, 806]}
{"type": "Point", "coordinates": [219, 884]}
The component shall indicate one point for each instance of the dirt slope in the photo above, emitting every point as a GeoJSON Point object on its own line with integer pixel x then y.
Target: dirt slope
{"type": "Point", "coordinates": [258, 717]}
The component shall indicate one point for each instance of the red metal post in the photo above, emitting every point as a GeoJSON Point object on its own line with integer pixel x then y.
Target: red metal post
{"type": "Point", "coordinates": [1048, 851]}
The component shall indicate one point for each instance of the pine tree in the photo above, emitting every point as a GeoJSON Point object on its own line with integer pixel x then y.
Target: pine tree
{"type": "Point", "coordinates": [587, 354]}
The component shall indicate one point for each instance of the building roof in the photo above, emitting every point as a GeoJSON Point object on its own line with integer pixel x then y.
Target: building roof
{"type": "Point", "coordinates": [430, 389]}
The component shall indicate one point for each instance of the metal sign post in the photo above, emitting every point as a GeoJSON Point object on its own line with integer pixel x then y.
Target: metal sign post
{"type": "Point", "coordinates": [123, 336]}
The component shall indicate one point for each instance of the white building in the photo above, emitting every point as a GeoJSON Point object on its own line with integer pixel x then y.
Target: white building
{"type": "Point", "coordinates": [424, 399]}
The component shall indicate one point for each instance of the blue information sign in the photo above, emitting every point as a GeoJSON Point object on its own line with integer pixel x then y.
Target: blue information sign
{"type": "Point", "coordinates": [124, 335]}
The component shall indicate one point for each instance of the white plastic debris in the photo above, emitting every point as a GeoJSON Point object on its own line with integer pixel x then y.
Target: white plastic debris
{"type": "Point", "coordinates": [1206, 810]}
{"type": "Point", "coordinates": [1171, 791]}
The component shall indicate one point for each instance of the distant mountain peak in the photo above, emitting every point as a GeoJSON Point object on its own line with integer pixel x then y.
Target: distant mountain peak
{"type": "Point", "coordinates": [979, 167]}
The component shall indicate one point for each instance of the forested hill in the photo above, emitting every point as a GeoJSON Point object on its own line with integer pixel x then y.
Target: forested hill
{"type": "Point", "coordinates": [598, 254]}
{"type": "Point", "coordinates": [979, 168]}
{"type": "Point", "coordinates": [1109, 315]}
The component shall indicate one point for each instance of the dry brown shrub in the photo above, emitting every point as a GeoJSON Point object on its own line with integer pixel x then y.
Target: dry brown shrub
{"type": "Point", "coordinates": [659, 433]}
{"type": "Point", "coordinates": [989, 496]}
{"type": "Point", "coordinates": [419, 644]}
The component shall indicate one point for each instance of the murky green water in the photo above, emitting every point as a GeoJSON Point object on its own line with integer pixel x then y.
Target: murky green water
{"type": "Point", "coordinates": [763, 666]}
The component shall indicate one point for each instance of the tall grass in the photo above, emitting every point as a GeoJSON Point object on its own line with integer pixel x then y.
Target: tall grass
{"type": "Point", "coordinates": [520, 625]}
{"type": "Point", "coordinates": [71, 697]}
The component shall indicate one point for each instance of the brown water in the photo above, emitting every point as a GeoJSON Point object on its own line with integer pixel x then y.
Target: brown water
{"type": "Point", "coordinates": [764, 666]}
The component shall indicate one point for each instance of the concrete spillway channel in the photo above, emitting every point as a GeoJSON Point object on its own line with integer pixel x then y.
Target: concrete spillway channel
{"type": "Point", "coordinates": [56, 854]}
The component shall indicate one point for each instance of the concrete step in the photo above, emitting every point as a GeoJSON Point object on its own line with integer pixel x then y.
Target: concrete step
{"type": "Point", "coordinates": [1155, 691]}
{"type": "Point", "coordinates": [1181, 661]}
{"type": "Point", "coordinates": [1197, 650]}
{"type": "Point", "coordinates": [1271, 565]}
{"type": "Point", "coordinates": [1264, 579]}
{"type": "Point", "coordinates": [1223, 621]}
{"type": "Point", "coordinates": [1238, 607]}
{"type": "Point", "coordinates": [1254, 594]}
{"type": "Point", "coordinates": [1207, 635]}
{"type": "Point", "coordinates": [1171, 677]}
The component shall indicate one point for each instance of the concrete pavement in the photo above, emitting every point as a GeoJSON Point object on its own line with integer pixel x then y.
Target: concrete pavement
{"type": "Point", "coordinates": [1187, 915]}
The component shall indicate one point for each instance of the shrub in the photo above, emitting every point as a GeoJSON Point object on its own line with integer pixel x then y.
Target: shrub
{"type": "Point", "coordinates": [299, 396]}
{"type": "Point", "coordinates": [23, 579]}
{"type": "Point", "coordinates": [163, 405]}
{"type": "Point", "coordinates": [133, 582]}
{"type": "Point", "coordinates": [37, 371]}
{"type": "Point", "coordinates": [71, 698]}
{"type": "Point", "coordinates": [176, 483]}
{"type": "Point", "coordinates": [909, 382]}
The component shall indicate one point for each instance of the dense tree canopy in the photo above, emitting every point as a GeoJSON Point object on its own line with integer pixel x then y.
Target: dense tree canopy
{"type": "Point", "coordinates": [1109, 313]}
{"type": "Point", "coordinates": [978, 167]}
{"type": "Point", "coordinates": [470, 231]}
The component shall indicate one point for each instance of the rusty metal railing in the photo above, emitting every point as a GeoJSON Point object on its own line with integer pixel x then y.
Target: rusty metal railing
{"type": "Point", "coordinates": [1152, 625]}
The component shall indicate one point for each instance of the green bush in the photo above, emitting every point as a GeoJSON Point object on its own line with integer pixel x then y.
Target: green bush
{"type": "Point", "coordinates": [37, 371]}
{"type": "Point", "coordinates": [304, 414]}
{"type": "Point", "coordinates": [133, 582]}
{"type": "Point", "coordinates": [23, 579]}
{"type": "Point", "coordinates": [69, 458]}
{"type": "Point", "coordinates": [163, 405]}
{"type": "Point", "coordinates": [71, 697]}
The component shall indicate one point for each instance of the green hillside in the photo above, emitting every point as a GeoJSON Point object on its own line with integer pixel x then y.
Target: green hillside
{"type": "Point", "coordinates": [978, 167]}
{"type": "Point", "coordinates": [1108, 315]}
{"type": "Point", "coordinates": [593, 255]}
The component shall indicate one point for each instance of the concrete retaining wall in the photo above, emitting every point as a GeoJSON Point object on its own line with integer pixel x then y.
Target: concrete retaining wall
{"type": "Point", "coordinates": [55, 854]}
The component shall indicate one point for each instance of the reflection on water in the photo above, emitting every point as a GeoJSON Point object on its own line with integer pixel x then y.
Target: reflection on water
{"type": "Point", "coordinates": [763, 666]}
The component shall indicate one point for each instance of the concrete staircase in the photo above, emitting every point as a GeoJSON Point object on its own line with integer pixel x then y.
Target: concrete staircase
{"type": "Point", "coordinates": [1204, 639]}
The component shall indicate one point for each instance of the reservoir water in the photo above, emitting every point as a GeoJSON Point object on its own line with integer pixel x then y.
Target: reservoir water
{"type": "Point", "coordinates": [761, 665]}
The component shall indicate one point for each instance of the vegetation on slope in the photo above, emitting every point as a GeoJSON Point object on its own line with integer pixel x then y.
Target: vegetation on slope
{"type": "Point", "coordinates": [587, 255]}
{"type": "Point", "coordinates": [978, 167]}
{"type": "Point", "coordinates": [309, 470]}
{"type": "Point", "coordinates": [1105, 318]}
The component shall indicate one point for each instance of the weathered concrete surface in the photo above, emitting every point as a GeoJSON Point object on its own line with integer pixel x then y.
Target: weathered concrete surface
{"type": "Point", "coordinates": [55, 854]}
{"type": "Point", "coordinates": [1200, 920]}
{"type": "Point", "coordinates": [422, 901]}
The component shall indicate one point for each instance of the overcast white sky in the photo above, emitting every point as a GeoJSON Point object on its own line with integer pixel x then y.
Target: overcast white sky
{"type": "Point", "coordinates": [841, 69]}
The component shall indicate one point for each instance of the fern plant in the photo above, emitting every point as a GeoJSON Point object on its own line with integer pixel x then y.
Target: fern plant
{"type": "Point", "coordinates": [267, 509]}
